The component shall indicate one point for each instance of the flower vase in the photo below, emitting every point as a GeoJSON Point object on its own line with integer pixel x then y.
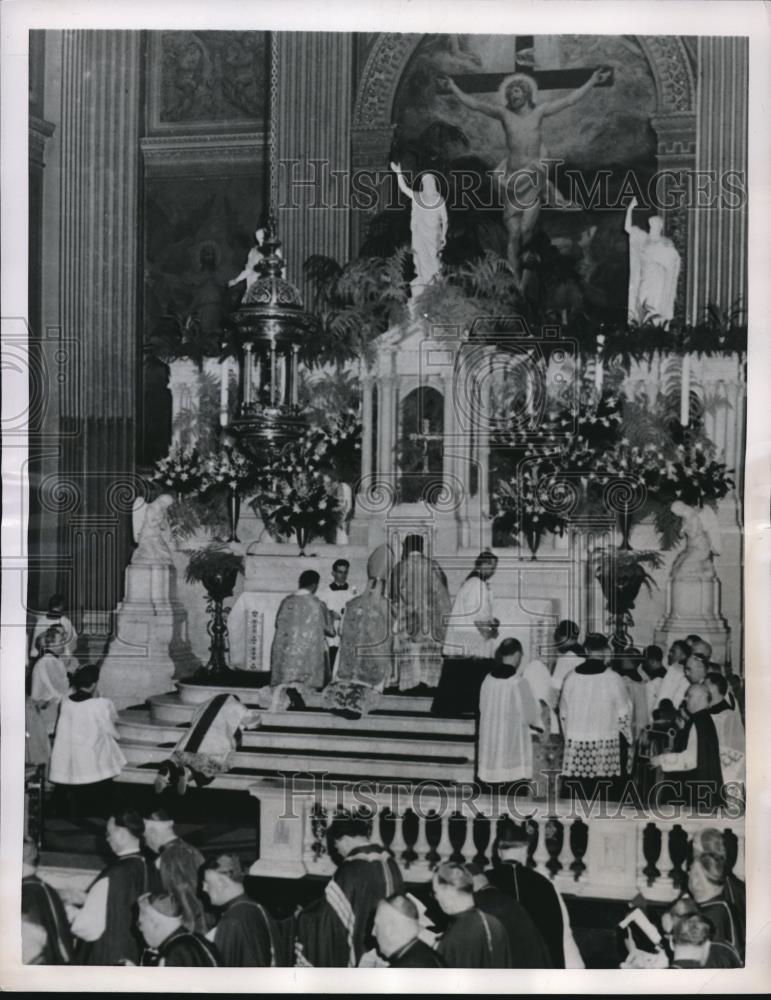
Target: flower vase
{"type": "Point", "coordinates": [624, 521]}
{"type": "Point", "coordinates": [302, 539]}
{"type": "Point", "coordinates": [533, 539]}
{"type": "Point", "coordinates": [234, 511]}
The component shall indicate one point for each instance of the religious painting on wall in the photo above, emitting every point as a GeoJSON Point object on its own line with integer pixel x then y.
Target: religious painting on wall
{"type": "Point", "coordinates": [197, 236]}
{"type": "Point", "coordinates": [595, 152]}
{"type": "Point", "coordinates": [207, 79]}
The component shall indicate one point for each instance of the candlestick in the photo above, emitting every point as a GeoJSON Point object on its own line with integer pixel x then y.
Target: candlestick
{"type": "Point", "coordinates": [272, 373]}
{"type": "Point", "coordinates": [685, 391]}
{"type": "Point", "coordinates": [282, 361]}
{"type": "Point", "coordinates": [247, 374]}
{"type": "Point", "coordinates": [224, 373]}
{"type": "Point", "coordinates": [295, 353]}
{"type": "Point", "coordinates": [599, 372]}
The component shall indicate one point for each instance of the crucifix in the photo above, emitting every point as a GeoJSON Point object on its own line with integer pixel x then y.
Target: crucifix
{"type": "Point", "coordinates": [522, 177]}
{"type": "Point", "coordinates": [425, 438]}
{"type": "Point", "coordinates": [531, 52]}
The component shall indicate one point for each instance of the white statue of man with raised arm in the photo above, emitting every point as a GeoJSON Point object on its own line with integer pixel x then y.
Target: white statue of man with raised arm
{"type": "Point", "coordinates": [150, 524]}
{"type": "Point", "coordinates": [654, 267]}
{"type": "Point", "coordinates": [428, 225]}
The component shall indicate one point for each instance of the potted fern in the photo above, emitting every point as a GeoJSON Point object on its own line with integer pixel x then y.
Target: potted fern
{"type": "Point", "coordinates": [217, 569]}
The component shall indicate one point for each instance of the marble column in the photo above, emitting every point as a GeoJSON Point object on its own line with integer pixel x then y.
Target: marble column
{"type": "Point", "coordinates": [675, 152]}
{"type": "Point", "coordinates": [366, 428]}
{"type": "Point", "coordinates": [718, 270]}
{"type": "Point", "coordinates": [98, 276]}
{"type": "Point", "coordinates": [313, 140]}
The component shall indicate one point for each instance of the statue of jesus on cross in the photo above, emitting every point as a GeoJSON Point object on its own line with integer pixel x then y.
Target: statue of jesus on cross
{"type": "Point", "coordinates": [522, 174]}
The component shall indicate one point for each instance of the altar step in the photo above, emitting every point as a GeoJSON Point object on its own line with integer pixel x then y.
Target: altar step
{"type": "Point", "coordinates": [382, 747]}
{"type": "Point", "coordinates": [168, 709]}
{"type": "Point", "coordinates": [195, 694]}
{"type": "Point", "coordinates": [273, 736]}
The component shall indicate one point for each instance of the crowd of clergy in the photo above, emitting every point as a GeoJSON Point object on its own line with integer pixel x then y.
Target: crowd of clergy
{"type": "Point", "coordinates": [161, 902]}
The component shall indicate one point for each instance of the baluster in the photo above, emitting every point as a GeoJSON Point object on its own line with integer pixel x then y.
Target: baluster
{"type": "Point", "coordinates": [578, 840]}
{"type": "Point", "coordinates": [398, 843]}
{"type": "Point", "coordinates": [678, 851]}
{"type": "Point", "coordinates": [421, 866]}
{"type": "Point", "coordinates": [541, 854]}
{"type": "Point", "coordinates": [664, 863]}
{"type": "Point", "coordinates": [650, 845]}
{"type": "Point", "coordinates": [444, 848]}
{"type": "Point", "coordinates": [554, 840]}
{"type": "Point", "coordinates": [376, 836]}
{"type": "Point", "coordinates": [480, 829]}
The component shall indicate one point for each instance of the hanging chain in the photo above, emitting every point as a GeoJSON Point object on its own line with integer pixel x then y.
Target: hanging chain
{"type": "Point", "coordinates": [272, 125]}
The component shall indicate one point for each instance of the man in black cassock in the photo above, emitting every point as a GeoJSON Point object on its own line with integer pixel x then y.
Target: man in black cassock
{"type": "Point", "coordinates": [528, 950]}
{"type": "Point", "coordinates": [396, 931]}
{"type": "Point", "coordinates": [41, 904]}
{"type": "Point", "coordinates": [694, 764]}
{"type": "Point", "coordinates": [535, 893]}
{"type": "Point", "coordinates": [334, 932]}
{"type": "Point", "coordinates": [106, 923]}
{"type": "Point", "coordinates": [246, 934]}
{"type": "Point", "coordinates": [179, 865]}
{"type": "Point", "coordinates": [169, 942]}
{"type": "Point", "coordinates": [474, 939]}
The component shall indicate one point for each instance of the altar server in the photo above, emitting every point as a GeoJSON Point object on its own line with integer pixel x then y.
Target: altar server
{"type": "Point", "coordinates": [508, 716]}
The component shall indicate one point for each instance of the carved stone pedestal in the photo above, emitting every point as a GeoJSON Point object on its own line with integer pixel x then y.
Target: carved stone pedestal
{"type": "Point", "coordinates": [693, 607]}
{"type": "Point", "coordinates": [150, 646]}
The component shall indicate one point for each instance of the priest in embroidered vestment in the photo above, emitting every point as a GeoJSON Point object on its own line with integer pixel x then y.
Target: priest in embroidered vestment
{"type": "Point", "coordinates": [419, 590]}
{"type": "Point", "coordinates": [366, 658]}
{"type": "Point", "coordinates": [299, 653]}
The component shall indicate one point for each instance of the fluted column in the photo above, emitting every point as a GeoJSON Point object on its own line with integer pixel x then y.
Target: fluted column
{"type": "Point", "coordinates": [98, 279]}
{"type": "Point", "coordinates": [675, 152]}
{"type": "Point", "coordinates": [314, 114]}
{"type": "Point", "coordinates": [366, 427]}
{"type": "Point", "coordinates": [718, 271]}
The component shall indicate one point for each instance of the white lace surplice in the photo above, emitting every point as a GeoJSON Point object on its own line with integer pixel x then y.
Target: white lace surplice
{"type": "Point", "coordinates": [594, 709]}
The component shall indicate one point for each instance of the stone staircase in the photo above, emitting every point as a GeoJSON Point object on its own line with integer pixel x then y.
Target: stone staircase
{"type": "Point", "coordinates": [401, 741]}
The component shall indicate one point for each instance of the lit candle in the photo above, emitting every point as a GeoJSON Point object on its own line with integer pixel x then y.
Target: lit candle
{"type": "Point", "coordinates": [685, 391]}
{"type": "Point", "coordinates": [598, 368]}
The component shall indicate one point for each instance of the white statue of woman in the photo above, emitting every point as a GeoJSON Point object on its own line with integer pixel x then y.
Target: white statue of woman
{"type": "Point", "coordinates": [428, 225]}
{"type": "Point", "coordinates": [654, 266]}
{"type": "Point", "coordinates": [152, 534]}
{"type": "Point", "coordinates": [702, 540]}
